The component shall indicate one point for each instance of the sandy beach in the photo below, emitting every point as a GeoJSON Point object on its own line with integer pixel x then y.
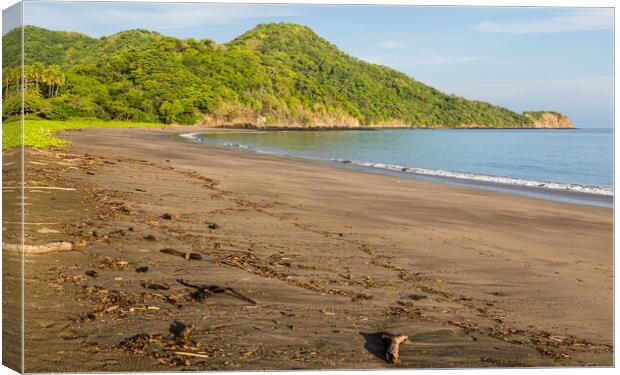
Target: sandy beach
{"type": "Point", "coordinates": [296, 264]}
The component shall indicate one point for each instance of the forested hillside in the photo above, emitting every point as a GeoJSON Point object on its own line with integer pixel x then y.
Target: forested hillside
{"type": "Point", "coordinates": [275, 74]}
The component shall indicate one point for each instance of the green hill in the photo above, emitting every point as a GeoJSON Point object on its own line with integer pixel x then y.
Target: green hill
{"type": "Point", "coordinates": [276, 74]}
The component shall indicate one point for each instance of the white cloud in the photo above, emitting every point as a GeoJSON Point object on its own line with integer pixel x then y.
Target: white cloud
{"type": "Point", "coordinates": [391, 44]}
{"type": "Point", "coordinates": [576, 20]}
{"type": "Point", "coordinates": [153, 16]}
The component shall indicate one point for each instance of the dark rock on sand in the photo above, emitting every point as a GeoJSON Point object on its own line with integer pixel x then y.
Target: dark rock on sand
{"type": "Point", "coordinates": [155, 286]}
{"type": "Point", "coordinates": [199, 295]}
{"type": "Point", "coordinates": [181, 331]}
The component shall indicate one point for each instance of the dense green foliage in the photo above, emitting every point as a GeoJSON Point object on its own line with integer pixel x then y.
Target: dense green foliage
{"type": "Point", "coordinates": [274, 74]}
{"type": "Point", "coordinates": [39, 133]}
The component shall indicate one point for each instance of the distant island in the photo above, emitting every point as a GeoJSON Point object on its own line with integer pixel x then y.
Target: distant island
{"type": "Point", "coordinates": [275, 75]}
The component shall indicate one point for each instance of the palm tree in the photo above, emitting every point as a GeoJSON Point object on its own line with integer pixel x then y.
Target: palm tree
{"type": "Point", "coordinates": [37, 70]}
{"type": "Point", "coordinates": [54, 79]}
{"type": "Point", "coordinates": [60, 81]}
{"type": "Point", "coordinates": [17, 76]}
{"type": "Point", "coordinates": [7, 78]}
{"type": "Point", "coordinates": [48, 78]}
{"type": "Point", "coordinates": [26, 70]}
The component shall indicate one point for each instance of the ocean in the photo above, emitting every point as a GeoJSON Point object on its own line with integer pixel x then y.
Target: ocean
{"type": "Point", "coordinates": [573, 165]}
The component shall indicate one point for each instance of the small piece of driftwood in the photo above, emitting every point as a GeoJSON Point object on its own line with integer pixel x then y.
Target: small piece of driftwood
{"type": "Point", "coordinates": [39, 249]}
{"type": "Point", "coordinates": [189, 354]}
{"type": "Point", "coordinates": [183, 254]}
{"type": "Point", "coordinates": [203, 291]}
{"type": "Point", "coordinates": [393, 345]}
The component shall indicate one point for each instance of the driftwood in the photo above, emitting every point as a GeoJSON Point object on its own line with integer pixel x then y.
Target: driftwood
{"type": "Point", "coordinates": [393, 345]}
{"type": "Point", "coordinates": [39, 249]}
{"type": "Point", "coordinates": [203, 291]}
{"type": "Point", "coordinates": [39, 188]}
{"type": "Point", "coordinates": [183, 254]}
{"type": "Point", "coordinates": [189, 354]}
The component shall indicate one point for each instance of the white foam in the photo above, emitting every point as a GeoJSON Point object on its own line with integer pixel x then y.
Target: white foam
{"type": "Point", "coordinates": [190, 136]}
{"type": "Point", "coordinates": [195, 138]}
{"type": "Point", "coordinates": [577, 188]}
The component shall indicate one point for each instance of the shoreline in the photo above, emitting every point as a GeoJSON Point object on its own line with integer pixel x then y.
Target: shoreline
{"type": "Point", "coordinates": [330, 258]}
{"type": "Point", "coordinates": [369, 128]}
{"type": "Point", "coordinates": [515, 186]}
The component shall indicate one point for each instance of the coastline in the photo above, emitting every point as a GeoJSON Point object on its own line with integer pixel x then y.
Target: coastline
{"type": "Point", "coordinates": [332, 256]}
{"type": "Point", "coordinates": [362, 127]}
{"type": "Point", "coordinates": [600, 196]}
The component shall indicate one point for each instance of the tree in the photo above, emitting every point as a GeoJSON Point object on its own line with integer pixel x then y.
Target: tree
{"type": "Point", "coordinates": [170, 111]}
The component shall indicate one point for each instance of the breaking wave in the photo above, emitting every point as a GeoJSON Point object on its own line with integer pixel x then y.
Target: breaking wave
{"type": "Point", "coordinates": [577, 188]}
{"type": "Point", "coordinates": [194, 137]}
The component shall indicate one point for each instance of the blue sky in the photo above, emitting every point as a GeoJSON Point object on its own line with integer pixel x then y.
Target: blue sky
{"type": "Point", "coordinates": [522, 58]}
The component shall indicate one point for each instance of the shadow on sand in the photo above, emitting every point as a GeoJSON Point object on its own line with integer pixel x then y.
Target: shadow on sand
{"type": "Point", "coordinates": [374, 344]}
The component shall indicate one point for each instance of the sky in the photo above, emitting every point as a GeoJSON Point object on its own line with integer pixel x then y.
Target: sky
{"type": "Point", "coordinates": [558, 59]}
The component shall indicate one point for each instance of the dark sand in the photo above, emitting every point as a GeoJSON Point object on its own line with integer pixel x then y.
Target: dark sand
{"type": "Point", "coordinates": [331, 257]}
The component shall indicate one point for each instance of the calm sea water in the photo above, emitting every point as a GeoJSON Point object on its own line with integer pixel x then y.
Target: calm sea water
{"type": "Point", "coordinates": [579, 161]}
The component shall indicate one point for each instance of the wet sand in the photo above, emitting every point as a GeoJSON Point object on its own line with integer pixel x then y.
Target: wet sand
{"type": "Point", "coordinates": [302, 265]}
